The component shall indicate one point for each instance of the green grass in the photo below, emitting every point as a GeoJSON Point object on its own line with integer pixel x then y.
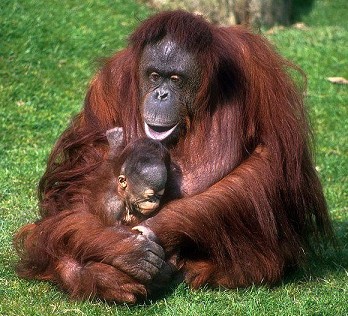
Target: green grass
{"type": "Point", "coordinates": [48, 53]}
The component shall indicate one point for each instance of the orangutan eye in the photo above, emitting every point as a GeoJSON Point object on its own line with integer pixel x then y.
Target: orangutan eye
{"type": "Point", "coordinates": [154, 77]}
{"type": "Point", "coordinates": [175, 79]}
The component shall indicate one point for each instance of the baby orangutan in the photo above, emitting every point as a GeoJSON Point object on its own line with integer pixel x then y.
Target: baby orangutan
{"type": "Point", "coordinates": [142, 180]}
{"type": "Point", "coordinates": [135, 181]}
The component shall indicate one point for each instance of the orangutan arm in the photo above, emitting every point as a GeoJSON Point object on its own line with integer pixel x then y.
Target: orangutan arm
{"type": "Point", "coordinates": [87, 258]}
{"type": "Point", "coordinates": [217, 234]}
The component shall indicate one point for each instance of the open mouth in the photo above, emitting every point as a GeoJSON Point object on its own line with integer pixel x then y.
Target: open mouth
{"type": "Point", "coordinates": [159, 132]}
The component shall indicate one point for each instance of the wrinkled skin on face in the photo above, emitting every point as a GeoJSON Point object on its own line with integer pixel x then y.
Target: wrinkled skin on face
{"type": "Point", "coordinates": [143, 186]}
{"type": "Point", "coordinates": [169, 80]}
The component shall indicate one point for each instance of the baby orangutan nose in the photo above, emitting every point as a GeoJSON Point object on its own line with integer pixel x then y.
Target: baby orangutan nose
{"type": "Point", "coordinates": [151, 202]}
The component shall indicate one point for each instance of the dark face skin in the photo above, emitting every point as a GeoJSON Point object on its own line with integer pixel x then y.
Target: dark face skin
{"type": "Point", "coordinates": [143, 191]}
{"type": "Point", "coordinates": [169, 80]}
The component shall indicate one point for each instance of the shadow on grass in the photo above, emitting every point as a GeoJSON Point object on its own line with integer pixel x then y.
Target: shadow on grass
{"type": "Point", "coordinates": [331, 260]}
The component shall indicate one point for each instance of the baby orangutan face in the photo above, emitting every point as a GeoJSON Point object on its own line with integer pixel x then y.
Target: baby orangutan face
{"type": "Point", "coordinates": [140, 195]}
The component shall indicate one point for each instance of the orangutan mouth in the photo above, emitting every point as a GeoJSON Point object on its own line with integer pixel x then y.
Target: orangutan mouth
{"type": "Point", "coordinates": [159, 132]}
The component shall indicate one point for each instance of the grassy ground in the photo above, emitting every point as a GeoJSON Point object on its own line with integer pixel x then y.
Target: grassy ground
{"type": "Point", "coordinates": [48, 52]}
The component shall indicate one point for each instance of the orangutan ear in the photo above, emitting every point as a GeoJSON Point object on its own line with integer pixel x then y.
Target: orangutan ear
{"type": "Point", "coordinates": [122, 181]}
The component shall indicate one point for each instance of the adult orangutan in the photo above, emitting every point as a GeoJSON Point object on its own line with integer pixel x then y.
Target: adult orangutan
{"type": "Point", "coordinates": [244, 201]}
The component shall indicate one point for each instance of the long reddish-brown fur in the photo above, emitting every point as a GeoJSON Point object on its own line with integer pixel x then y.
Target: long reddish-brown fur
{"type": "Point", "coordinates": [250, 201]}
